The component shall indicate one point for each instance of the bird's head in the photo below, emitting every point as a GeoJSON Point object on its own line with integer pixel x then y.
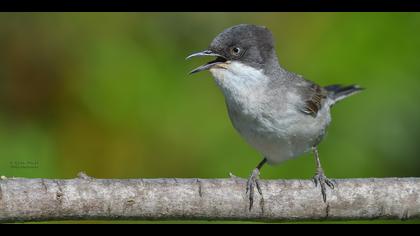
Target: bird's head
{"type": "Point", "coordinates": [248, 45]}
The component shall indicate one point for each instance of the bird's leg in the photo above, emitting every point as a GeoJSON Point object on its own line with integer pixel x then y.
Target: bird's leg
{"type": "Point", "coordinates": [254, 180]}
{"type": "Point", "coordinates": [320, 176]}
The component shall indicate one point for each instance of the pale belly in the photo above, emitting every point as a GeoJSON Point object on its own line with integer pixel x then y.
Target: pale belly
{"type": "Point", "coordinates": [282, 138]}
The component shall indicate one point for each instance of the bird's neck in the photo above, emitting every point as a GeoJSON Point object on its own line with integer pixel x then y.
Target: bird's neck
{"type": "Point", "coordinates": [272, 67]}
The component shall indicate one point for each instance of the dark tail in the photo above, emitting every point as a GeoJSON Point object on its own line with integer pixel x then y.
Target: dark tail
{"type": "Point", "coordinates": [338, 92]}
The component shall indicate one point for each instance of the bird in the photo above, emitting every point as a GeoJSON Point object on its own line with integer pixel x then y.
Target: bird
{"type": "Point", "coordinates": [279, 113]}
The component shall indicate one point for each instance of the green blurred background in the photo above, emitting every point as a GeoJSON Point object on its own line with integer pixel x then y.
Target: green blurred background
{"type": "Point", "coordinates": [109, 94]}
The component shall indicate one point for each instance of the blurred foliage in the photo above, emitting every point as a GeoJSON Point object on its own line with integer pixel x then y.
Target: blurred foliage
{"type": "Point", "coordinates": [109, 94]}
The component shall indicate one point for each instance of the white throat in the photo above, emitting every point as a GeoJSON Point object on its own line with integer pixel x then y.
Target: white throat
{"type": "Point", "coordinates": [237, 79]}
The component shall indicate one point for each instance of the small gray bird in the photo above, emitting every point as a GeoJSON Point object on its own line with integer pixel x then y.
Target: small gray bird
{"type": "Point", "coordinates": [279, 113]}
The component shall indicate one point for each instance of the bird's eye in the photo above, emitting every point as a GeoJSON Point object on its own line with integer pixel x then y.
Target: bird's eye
{"type": "Point", "coordinates": [235, 51]}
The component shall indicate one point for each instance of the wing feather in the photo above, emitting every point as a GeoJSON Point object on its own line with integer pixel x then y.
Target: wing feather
{"type": "Point", "coordinates": [313, 97]}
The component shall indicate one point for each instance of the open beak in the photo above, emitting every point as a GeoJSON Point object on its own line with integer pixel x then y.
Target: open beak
{"type": "Point", "coordinates": [219, 60]}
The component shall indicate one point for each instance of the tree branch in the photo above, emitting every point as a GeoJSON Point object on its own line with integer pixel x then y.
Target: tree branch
{"type": "Point", "coordinates": [86, 198]}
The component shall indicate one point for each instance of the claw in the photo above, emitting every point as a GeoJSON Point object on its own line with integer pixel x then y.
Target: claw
{"type": "Point", "coordinates": [250, 188]}
{"type": "Point", "coordinates": [324, 194]}
{"type": "Point", "coordinates": [251, 202]}
{"type": "Point", "coordinates": [329, 183]}
{"type": "Point", "coordinates": [323, 180]}
{"type": "Point", "coordinates": [257, 183]}
{"type": "Point", "coordinates": [315, 181]}
{"type": "Point", "coordinates": [251, 183]}
{"type": "Point", "coordinates": [251, 198]}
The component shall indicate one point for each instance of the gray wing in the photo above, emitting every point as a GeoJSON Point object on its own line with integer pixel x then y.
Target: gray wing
{"type": "Point", "coordinates": [311, 97]}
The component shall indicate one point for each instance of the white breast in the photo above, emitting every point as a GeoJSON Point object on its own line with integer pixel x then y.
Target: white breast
{"type": "Point", "coordinates": [278, 132]}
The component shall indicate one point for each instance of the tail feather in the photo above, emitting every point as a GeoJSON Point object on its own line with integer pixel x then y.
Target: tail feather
{"type": "Point", "coordinates": [338, 92]}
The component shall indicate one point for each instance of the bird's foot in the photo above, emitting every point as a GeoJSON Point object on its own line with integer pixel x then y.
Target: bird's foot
{"type": "Point", "coordinates": [323, 180]}
{"type": "Point", "coordinates": [253, 181]}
